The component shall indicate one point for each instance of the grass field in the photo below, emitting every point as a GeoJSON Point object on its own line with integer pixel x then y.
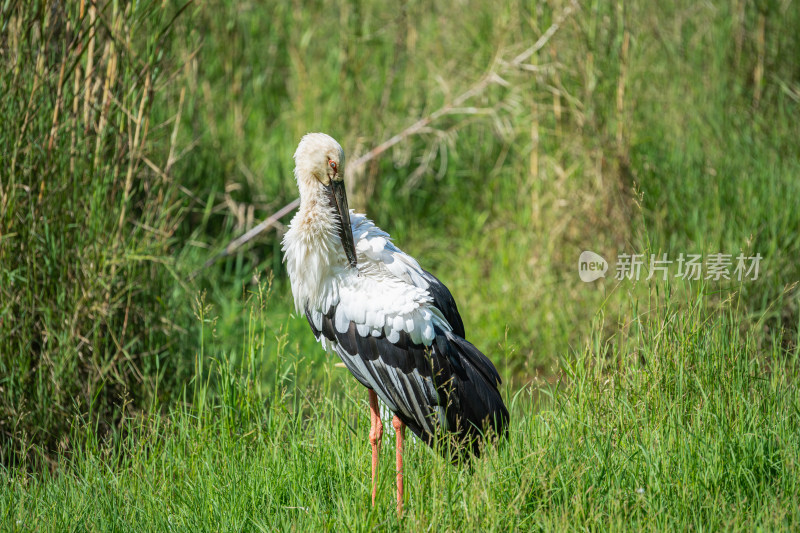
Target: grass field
{"type": "Point", "coordinates": [681, 423]}
{"type": "Point", "coordinates": [137, 139]}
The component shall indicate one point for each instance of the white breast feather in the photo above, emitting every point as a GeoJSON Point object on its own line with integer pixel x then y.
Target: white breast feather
{"type": "Point", "coordinates": [387, 294]}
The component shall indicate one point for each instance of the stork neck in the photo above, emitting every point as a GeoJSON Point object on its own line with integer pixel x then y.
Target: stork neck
{"type": "Point", "coordinates": [313, 253]}
{"type": "Point", "coordinates": [315, 218]}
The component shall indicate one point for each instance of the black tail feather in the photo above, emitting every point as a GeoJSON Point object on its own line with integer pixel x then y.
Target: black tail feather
{"type": "Point", "coordinates": [467, 381]}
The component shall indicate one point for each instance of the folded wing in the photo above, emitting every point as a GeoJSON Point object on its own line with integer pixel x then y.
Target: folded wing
{"type": "Point", "coordinates": [397, 329]}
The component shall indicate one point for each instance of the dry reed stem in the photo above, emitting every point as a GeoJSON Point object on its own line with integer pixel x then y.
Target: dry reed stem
{"type": "Point", "coordinates": [173, 140]}
{"type": "Point", "coordinates": [109, 58]}
{"type": "Point", "coordinates": [758, 71]}
{"type": "Point", "coordinates": [556, 90]}
{"type": "Point", "coordinates": [89, 63]}
{"type": "Point", "coordinates": [623, 71]}
{"type": "Point", "coordinates": [533, 175]}
{"type": "Point", "coordinates": [75, 107]}
{"type": "Point", "coordinates": [40, 70]}
{"type": "Point", "coordinates": [59, 101]}
{"type": "Point", "coordinates": [134, 149]}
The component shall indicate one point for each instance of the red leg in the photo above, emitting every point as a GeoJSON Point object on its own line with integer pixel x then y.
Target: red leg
{"type": "Point", "coordinates": [375, 436]}
{"type": "Point", "coordinates": [399, 429]}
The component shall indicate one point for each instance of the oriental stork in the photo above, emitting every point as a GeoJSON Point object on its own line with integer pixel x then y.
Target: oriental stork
{"type": "Point", "coordinates": [394, 325]}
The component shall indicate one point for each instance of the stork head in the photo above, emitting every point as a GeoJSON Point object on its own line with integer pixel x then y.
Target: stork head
{"type": "Point", "coordinates": [318, 157]}
{"type": "Point", "coordinates": [319, 167]}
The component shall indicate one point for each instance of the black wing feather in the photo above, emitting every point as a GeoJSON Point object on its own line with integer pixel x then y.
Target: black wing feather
{"type": "Point", "coordinates": [444, 302]}
{"type": "Point", "coordinates": [414, 379]}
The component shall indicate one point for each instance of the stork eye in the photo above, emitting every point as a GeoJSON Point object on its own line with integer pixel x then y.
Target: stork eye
{"type": "Point", "coordinates": [332, 164]}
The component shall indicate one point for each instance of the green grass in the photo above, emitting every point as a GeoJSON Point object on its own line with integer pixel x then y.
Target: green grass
{"type": "Point", "coordinates": [138, 139]}
{"type": "Point", "coordinates": [682, 422]}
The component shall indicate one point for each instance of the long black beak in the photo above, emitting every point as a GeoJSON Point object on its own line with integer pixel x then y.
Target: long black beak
{"type": "Point", "coordinates": [338, 199]}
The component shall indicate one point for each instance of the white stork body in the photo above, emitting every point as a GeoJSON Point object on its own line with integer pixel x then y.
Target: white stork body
{"type": "Point", "coordinates": [394, 325]}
